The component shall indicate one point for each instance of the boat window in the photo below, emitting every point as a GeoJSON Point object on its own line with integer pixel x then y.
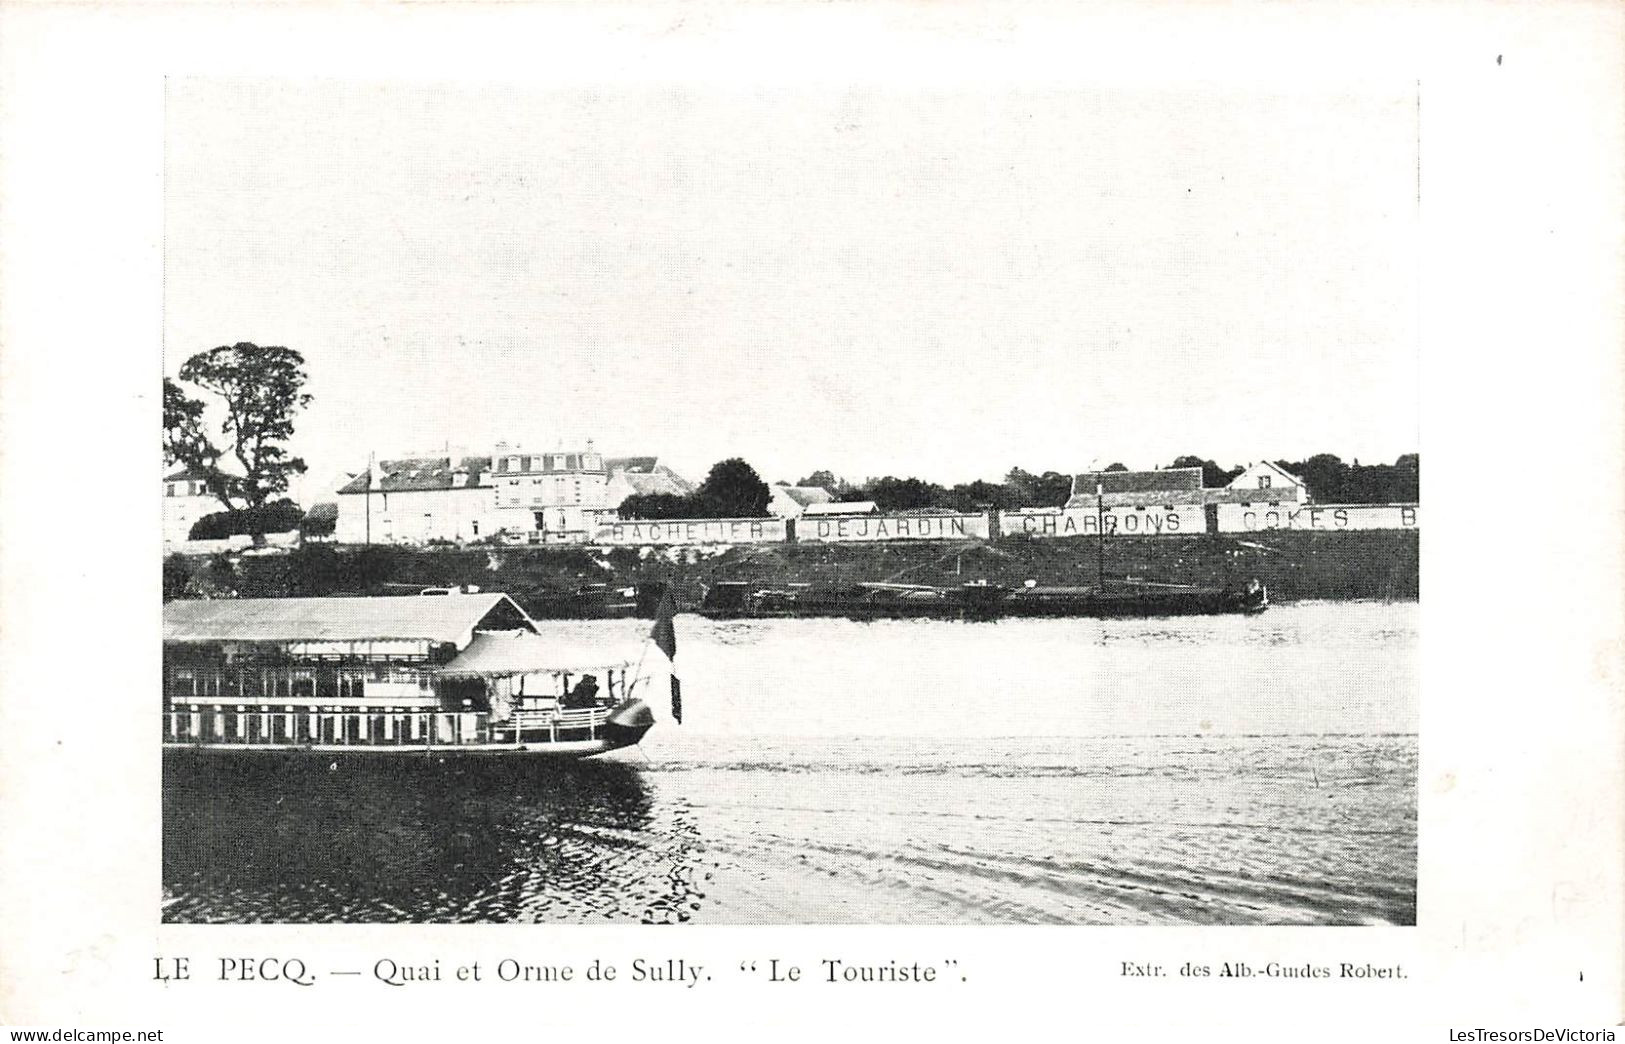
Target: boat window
{"type": "Point", "coordinates": [352, 686]}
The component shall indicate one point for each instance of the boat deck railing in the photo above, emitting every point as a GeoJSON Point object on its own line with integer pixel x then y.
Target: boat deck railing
{"type": "Point", "coordinates": [246, 726]}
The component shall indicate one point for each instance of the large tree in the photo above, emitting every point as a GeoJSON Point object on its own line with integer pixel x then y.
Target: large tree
{"type": "Point", "coordinates": [260, 391]}
{"type": "Point", "coordinates": [1051, 489]}
{"type": "Point", "coordinates": [734, 490]}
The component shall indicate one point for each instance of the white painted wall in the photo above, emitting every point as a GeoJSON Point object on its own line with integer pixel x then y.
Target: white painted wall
{"type": "Point", "coordinates": [868, 528]}
{"type": "Point", "coordinates": [1238, 518]}
{"type": "Point", "coordinates": [184, 509]}
{"type": "Point", "coordinates": [638, 533]}
{"type": "Point", "coordinates": [1151, 520]}
{"type": "Point", "coordinates": [418, 516]}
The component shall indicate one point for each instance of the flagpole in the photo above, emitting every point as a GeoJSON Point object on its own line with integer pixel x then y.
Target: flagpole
{"type": "Point", "coordinates": [637, 672]}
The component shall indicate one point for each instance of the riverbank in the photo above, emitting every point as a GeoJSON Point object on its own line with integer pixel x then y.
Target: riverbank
{"type": "Point", "coordinates": [1296, 566]}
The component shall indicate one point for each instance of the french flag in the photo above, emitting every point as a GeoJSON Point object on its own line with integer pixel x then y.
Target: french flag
{"type": "Point", "coordinates": [664, 635]}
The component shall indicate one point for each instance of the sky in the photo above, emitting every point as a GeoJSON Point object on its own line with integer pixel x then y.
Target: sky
{"type": "Point", "coordinates": [941, 282]}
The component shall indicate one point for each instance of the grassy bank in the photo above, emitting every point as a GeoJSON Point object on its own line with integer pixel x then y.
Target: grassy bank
{"type": "Point", "coordinates": [1342, 566]}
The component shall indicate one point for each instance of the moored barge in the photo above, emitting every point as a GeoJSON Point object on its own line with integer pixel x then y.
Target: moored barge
{"type": "Point", "coordinates": [978, 601]}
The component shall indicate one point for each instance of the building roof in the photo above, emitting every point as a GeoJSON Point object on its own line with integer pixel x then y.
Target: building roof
{"type": "Point", "coordinates": [1137, 481]}
{"type": "Point", "coordinates": [1272, 466]}
{"type": "Point", "coordinates": [843, 507]}
{"type": "Point", "coordinates": [1128, 488]}
{"type": "Point", "coordinates": [548, 462]}
{"type": "Point", "coordinates": [443, 618]}
{"type": "Point", "coordinates": [806, 495]}
{"type": "Point", "coordinates": [326, 511]}
{"type": "Point", "coordinates": [521, 652]}
{"type": "Point", "coordinates": [186, 474]}
{"type": "Point", "coordinates": [409, 474]}
{"type": "Point", "coordinates": [633, 464]}
{"type": "Point", "coordinates": [661, 480]}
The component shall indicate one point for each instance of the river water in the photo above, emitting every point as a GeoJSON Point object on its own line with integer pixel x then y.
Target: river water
{"type": "Point", "coordinates": [1210, 770]}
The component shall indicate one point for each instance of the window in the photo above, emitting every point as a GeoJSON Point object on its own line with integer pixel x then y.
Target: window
{"type": "Point", "coordinates": [476, 526]}
{"type": "Point", "coordinates": [171, 490]}
{"type": "Point", "coordinates": [558, 462]}
{"type": "Point", "coordinates": [1263, 482]}
{"type": "Point", "coordinates": [513, 464]}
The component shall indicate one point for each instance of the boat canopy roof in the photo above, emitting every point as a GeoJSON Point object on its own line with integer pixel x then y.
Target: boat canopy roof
{"type": "Point", "coordinates": [507, 653]}
{"type": "Point", "coordinates": [448, 618]}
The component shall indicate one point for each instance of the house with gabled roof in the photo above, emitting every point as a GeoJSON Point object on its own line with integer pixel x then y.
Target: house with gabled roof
{"type": "Point", "coordinates": [789, 501]}
{"type": "Point", "coordinates": [641, 476]}
{"type": "Point", "coordinates": [1262, 482]}
{"type": "Point", "coordinates": [412, 500]}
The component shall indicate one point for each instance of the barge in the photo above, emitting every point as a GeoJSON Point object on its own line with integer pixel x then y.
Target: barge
{"type": "Point", "coordinates": [978, 601]}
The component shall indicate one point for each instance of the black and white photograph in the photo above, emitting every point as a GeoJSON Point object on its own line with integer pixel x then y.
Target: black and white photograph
{"type": "Point", "coordinates": [833, 505]}
{"type": "Point", "coordinates": [922, 500]}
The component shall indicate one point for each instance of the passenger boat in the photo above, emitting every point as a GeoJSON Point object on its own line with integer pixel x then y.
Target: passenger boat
{"type": "Point", "coordinates": [459, 675]}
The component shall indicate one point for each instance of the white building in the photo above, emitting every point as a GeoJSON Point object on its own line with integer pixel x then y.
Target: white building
{"type": "Point", "coordinates": [792, 501]}
{"type": "Point", "coordinates": [522, 495]}
{"type": "Point", "coordinates": [550, 496]}
{"type": "Point", "coordinates": [413, 500]}
{"type": "Point", "coordinates": [834, 508]}
{"type": "Point", "coordinates": [1261, 483]}
{"type": "Point", "coordinates": [186, 500]}
{"type": "Point", "coordinates": [641, 476]}
{"type": "Point", "coordinates": [1272, 483]}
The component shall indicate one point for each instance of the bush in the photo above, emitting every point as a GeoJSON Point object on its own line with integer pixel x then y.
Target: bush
{"type": "Point", "coordinates": [278, 516]}
{"type": "Point", "coordinates": [176, 573]}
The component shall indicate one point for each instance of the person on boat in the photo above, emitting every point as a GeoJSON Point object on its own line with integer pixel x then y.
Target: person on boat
{"type": "Point", "coordinates": [585, 694]}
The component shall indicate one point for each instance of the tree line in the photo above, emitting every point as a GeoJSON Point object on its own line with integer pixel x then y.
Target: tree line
{"type": "Point", "coordinates": [733, 489]}
{"type": "Point", "coordinates": [1329, 479]}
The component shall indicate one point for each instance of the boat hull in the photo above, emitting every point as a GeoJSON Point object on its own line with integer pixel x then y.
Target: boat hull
{"type": "Point", "coordinates": [564, 750]}
{"type": "Point", "coordinates": [625, 726]}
